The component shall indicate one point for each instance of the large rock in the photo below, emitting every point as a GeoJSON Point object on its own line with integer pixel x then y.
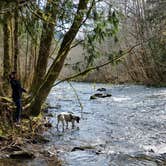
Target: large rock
{"type": "Point", "coordinates": [101, 89]}
{"type": "Point", "coordinates": [82, 148]}
{"type": "Point", "coordinates": [103, 93]}
{"type": "Point", "coordinates": [22, 155]}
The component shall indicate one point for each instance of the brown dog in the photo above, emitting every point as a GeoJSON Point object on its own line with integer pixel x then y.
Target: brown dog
{"type": "Point", "coordinates": [66, 117]}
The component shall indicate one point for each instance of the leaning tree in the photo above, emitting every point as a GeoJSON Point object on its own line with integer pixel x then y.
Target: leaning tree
{"type": "Point", "coordinates": [52, 23]}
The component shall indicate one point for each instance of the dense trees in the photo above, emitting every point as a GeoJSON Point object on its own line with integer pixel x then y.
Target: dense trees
{"type": "Point", "coordinates": [145, 23]}
{"type": "Point", "coordinates": [142, 24]}
{"type": "Point", "coordinates": [34, 25]}
{"type": "Point", "coordinates": [38, 35]}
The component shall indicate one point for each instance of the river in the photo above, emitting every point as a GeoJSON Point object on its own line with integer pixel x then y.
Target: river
{"type": "Point", "coordinates": [127, 129]}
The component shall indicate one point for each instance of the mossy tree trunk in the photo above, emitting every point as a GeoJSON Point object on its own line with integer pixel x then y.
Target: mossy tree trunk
{"type": "Point", "coordinates": [6, 56]}
{"type": "Point", "coordinates": [15, 35]}
{"type": "Point", "coordinates": [57, 65]}
{"type": "Point", "coordinates": [45, 46]}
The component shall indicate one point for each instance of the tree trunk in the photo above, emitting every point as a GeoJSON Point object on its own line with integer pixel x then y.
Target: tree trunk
{"type": "Point", "coordinates": [25, 81]}
{"type": "Point", "coordinates": [16, 46]}
{"type": "Point", "coordinates": [57, 65]}
{"type": "Point", "coordinates": [44, 49]}
{"type": "Point", "coordinates": [6, 57]}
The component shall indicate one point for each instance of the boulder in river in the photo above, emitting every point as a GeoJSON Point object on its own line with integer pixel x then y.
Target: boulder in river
{"type": "Point", "coordinates": [77, 148]}
{"type": "Point", "coordinates": [82, 148]}
{"type": "Point", "coordinates": [100, 95]}
{"type": "Point", "coordinates": [101, 89]}
{"type": "Point", "coordinates": [55, 107]}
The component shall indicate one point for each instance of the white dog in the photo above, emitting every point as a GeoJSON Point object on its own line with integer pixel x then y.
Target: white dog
{"type": "Point", "coordinates": [66, 117]}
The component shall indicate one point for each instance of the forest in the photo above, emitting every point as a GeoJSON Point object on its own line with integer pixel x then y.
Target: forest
{"type": "Point", "coordinates": [121, 41]}
{"type": "Point", "coordinates": [141, 29]}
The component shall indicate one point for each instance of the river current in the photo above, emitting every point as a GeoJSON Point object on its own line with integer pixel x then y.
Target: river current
{"type": "Point", "coordinates": [127, 129]}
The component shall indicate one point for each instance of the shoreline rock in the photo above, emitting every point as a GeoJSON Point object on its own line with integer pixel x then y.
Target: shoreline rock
{"type": "Point", "coordinates": [22, 155]}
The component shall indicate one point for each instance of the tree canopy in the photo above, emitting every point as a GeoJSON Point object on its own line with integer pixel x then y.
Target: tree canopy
{"type": "Point", "coordinates": [41, 25]}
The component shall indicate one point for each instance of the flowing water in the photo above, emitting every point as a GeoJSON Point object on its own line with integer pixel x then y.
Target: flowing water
{"type": "Point", "coordinates": [127, 129]}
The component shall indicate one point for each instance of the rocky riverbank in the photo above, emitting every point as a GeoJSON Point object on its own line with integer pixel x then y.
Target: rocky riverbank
{"type": "Point", "coordinates": [24, 142]}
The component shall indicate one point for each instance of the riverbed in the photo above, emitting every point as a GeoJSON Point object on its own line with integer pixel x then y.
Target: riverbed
{"type": "Point", "coordinates": [127, 129]}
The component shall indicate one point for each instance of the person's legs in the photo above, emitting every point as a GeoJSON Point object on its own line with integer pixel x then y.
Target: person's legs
{"type": "Point", "coordinates": [18, 110]}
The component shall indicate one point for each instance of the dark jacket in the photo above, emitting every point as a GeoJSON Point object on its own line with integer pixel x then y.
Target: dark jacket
{"type": "Point", "coordinates": [16, 89]}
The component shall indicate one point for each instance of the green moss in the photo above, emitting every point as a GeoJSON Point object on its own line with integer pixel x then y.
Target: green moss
{"type": "Point", "coordinates": [1, 132]}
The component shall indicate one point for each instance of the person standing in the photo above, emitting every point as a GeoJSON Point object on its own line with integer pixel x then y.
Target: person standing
{"type": "Point", "coordinates": [16, 95]}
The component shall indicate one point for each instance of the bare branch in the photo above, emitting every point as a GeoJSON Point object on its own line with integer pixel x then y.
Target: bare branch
{"type": "Point", "coordinates": [98, 66]}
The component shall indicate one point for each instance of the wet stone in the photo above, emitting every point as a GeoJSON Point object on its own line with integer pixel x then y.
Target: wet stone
{"type": "Point", "coordinates": [100, 95]}
{"type": "Point", "coordinates": [77, 148]}
{"type": "Point", "coordinates": [82, 148]}
{"type": "Point", "coordinates": [22, 155]}
{"type": "Point", "coordinates": [101, 89]}
{"type": "Point", "coordinates": [98, 152]}
{"type": "Point", "coordinates": [54, 107]}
